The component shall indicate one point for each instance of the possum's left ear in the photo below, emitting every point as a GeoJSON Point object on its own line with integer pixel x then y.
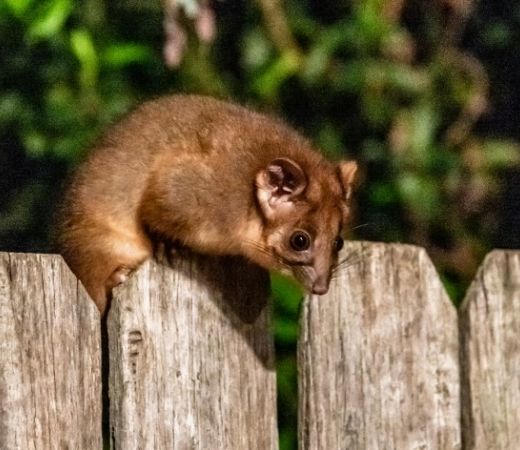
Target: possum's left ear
{"type": "Point", "coordinates": [347, 173]}
{"type": "Point", "coordinates": [278, 186]}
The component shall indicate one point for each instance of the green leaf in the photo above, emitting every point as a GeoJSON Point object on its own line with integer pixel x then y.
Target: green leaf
{"type": "Point", "coordinates": [329, 140]}
{"type": "Point", "coordinates": [124, 54]}
{"type": "Point", "coordinates": [84, 50]}
{"type": "Point", "coordinates": [11, 106]}
{"type": "Point", "coordinates": [374, 150]}
{"type": "Point", "coordinates": [328, 42]}
{"type": "Point", "coordinates": [382, 194]}
{"type": "Point", "coordinates": [287, 292]}
{"type": "Point", "coordinates": [372, 24]}
{"type": "Point", "coordinates": [501, 154]}
{"type": "Point", "coordinates": [35, 143]}
{"type": "Point", "coordinates": [257, 49]}
{"type": "Point", "coordinates": [407, 80]}
{"type": "Point", "coordinates": [351, 77]}
{"type": "Point", "coordinates": [316, 63]}
{"type": "Point", "coordinates": [378, 108]}
{"type": "Point", "coordinates": [497, 35]}
{"type": "Point", "coordinates": [18, 7]}
{"type": "Point", "coordinates": [286, 376]}
{"type": "Point", "coordinates": [424, 122]}
{"type": "Point", "coordinates": [269, 81]}
{"type": "Point", "coordinates": [286, 330]}
{"type": "Point", "coordinates": [420, 194]}
{"type": "Point", "coordinates": [51, 19]}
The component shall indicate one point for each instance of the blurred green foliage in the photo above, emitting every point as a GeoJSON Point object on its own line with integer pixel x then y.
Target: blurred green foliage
{"type": "Point", "coordinates": [390, 83]}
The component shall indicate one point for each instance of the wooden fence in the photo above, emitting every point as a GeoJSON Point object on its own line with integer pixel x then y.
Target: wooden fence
{"type": "Point", "coordinates": [385, 360]}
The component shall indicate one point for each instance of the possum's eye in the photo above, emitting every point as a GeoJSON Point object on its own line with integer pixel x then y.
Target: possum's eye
{"type": "Point", "coordinates": [300, 241]}
{"type": "Point", "coordinates": [338, 243]}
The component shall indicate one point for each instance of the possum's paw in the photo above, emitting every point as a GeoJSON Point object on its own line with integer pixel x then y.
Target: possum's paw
{"type": "Point", "coordinates": [120, 275]}
{"type": "Point", "coordinates": [165, 252]}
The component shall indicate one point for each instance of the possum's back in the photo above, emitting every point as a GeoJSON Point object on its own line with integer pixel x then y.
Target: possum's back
{"type": "Point", "coordinates": [112, 179]}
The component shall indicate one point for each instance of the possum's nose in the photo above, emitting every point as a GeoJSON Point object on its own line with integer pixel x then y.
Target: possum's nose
{"type": "Point", "coordinates": [321, 276]}
{"type": "Point", "coordinates": [320, 286]}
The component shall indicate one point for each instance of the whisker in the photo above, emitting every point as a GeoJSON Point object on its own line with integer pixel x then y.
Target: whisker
{"type": "Point", "coordinates": [361, 226]}
{"type": "Point", "coordinates": [337, 273]}
{"type": "Point", "coordinates": [349, 262]}
{"type": "Point", "coordinates": [257, 246]}
{"type": "Point", "coordinates": [336, 269]}
{"type": "Point", "coordinates": [265, 251]}
{"type": "Point", "coordinates": [348, 258]}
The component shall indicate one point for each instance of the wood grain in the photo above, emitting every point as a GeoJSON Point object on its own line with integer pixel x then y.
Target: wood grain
{"type": "Point", "coordinates": [490, 357]}
{"type": "Point", "coordinates": [50, 376]}
{"type": "Point", "coordinates": [192, 359]}
{"type": "Point", "coordinates": [378, 356]}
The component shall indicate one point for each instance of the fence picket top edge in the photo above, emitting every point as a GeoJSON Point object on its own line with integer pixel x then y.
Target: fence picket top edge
{"type": "Point", "coordinates": [489, 258]}
{"type": "Point", "coordinates": [43, 256]}
{"type": "Point", "coordinates": [495, 257]}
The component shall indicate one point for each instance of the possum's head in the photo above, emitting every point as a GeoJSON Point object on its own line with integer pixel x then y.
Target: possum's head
{"type": "Point", "coordinates": [303, 215]}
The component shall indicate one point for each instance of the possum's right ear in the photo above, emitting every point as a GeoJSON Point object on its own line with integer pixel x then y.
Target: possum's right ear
{"type": "Point", "coordinates": [278, 185]}
{"type": "Point", "coordinates": [348, 171]}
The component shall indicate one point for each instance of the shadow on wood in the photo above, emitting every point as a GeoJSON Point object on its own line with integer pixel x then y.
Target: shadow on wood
{"type": "Point", "coordinates": [191, 357]}
{"type": "Point", "coordinates": [243, 286]}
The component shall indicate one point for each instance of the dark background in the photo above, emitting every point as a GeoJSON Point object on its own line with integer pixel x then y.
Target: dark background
{"type": "Point", "coordinates": [424, 94]}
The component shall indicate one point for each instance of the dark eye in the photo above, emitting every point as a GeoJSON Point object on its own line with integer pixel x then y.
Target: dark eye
{"type": "Point", "coordinates": [338, 243]}
{"type": "Point", "coordinates": [300, 241]}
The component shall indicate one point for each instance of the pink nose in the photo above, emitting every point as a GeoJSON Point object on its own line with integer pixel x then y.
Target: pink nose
{"type": "Point", "coordinates": [319, 288]}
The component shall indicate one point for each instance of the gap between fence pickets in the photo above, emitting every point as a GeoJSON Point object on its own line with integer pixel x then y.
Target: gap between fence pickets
{"type": "Point", "coordinates": [49, 350]}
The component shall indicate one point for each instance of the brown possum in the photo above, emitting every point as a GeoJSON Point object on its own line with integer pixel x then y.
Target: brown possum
{"type": "Point", "coordinates": [213, 176]}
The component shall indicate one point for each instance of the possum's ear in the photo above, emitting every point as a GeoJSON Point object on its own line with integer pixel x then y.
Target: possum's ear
{"type": "Point", "coordinates": [278, 185]}
{"type": "Point", "coordinates": [347, 172]}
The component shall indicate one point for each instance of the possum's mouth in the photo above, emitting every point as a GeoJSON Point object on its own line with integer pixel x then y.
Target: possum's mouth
{"type": "Point", "coordinates": [311, 279]}
{"type": "Point", "coordinates": [305, 274]}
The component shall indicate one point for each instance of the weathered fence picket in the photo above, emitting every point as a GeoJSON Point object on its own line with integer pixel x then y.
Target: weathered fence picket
{"type": "Point", "coordinates": [385, 362]}
{"type": "Point", "coordinates": [50, 357]}
{"type": "Point", "coordinates": [378, 356]}
{"type": "Point", "coordinates": [490, 356]}
{"type": "Point", "coordinates": [192, 358]}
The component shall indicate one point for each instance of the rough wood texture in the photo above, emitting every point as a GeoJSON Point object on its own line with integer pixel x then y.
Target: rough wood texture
{"type": "Point", "coordinates": [490, 357]}
{"type": "Point", "coordinates": [191, 362]}
{"type": "Point", "coordinates": [378, 356]}
{"type": "Point", "coordinates": [50, 379]}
